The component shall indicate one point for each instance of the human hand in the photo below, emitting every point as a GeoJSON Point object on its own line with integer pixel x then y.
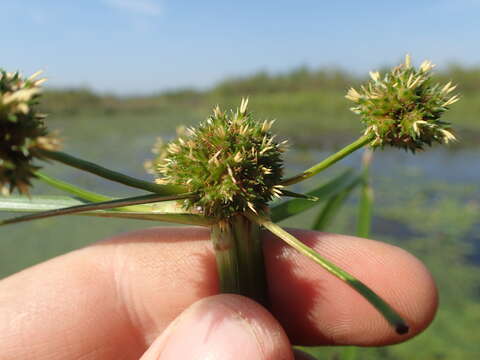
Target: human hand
{"type": "Point", "coordinates": [142, 295]}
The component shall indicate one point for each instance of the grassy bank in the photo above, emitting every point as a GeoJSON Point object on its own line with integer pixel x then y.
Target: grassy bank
{"type": "Point", "coordinates": [309, 106]}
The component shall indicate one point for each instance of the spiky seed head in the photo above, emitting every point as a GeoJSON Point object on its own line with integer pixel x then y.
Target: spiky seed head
{"type": "Point", "coordinates": [231, 161]}
{"type": "Point", "coordinates": [22, 130]}
{"type": "Point", "coordinates": [160, 151]}
{"type": "Point", "coordinates": [403, 108]}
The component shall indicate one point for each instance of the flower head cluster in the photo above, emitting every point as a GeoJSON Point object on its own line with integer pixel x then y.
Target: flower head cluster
{"type": "Point", "coordinates": [403, 108]}
{"type": "Point", "coordinates": [230, 161]}
{"type": "Point", "coordinates": [159, 151]}
{"type": "Point", "coordinates": [22, 130]}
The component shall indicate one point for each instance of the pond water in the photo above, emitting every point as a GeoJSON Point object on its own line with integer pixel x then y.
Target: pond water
{"type": "Point", "coordinates": [439, 163]}
{"type": "Point", "coordinates": [398, 178]}
{"type": "Point", "coordinates": [461, 166]}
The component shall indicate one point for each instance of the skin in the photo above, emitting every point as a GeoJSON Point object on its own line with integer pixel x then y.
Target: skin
{"type": "Point", "coordinates": [153, 294]}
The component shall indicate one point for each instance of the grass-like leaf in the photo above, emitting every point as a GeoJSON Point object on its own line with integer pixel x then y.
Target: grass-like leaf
{"type": "Point", "coordinates": [298, 195]}
{"type": "Point", "coordinates": [332, 207]}
{"type": "Point", "coordinates": [17, 203]}
{"type": "Point", "coordinates": [365, 208]}
{"type": "Point", "coordinates": [296, 206]}
{"type": "Point", "coordinates": [386, 310]}
{"type": "Point", "coordinates": [168, 211]}
{"type": "Point", "coordinates": [72, 189]}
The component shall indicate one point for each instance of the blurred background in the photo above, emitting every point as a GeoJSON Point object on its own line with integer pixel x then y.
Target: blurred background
{"type": "Point", "coordinates": [123, 72]}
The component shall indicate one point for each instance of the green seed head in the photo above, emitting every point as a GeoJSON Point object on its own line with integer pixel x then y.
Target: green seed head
{"type": "Point", "coordinates": [159, 151]}
{"type": "Point", "coordinates": [22, 130]}
{"type": "Point", "coordinates": [403, 108]}
{"type": "Point", "coordinates": [231, 161]}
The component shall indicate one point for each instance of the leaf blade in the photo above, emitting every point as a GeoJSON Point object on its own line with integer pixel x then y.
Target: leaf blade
{"type": "Point", "coordinates": [332, 207]}
{"type": "Point", "coordinates": [72, 189]}
{"type": "Point", "coordinates": [169, 211]}
{"type": "Point", "coordinates": [365, 207]}
{"type": "Point", "coordinates": [296, 206]}
{"type": "Point", "coordinates": [381, 305]}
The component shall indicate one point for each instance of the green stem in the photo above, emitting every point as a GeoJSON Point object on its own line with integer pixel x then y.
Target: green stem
{"type": "Point", "coordinates": [86, 194]}
{"type": "Point", "coordinates": [72, 189]}
{"type": "Point", "coordinates": [226, 254]}
{"type": "Point", "coordinates": [365, 208]}
{"type": "Point", "coordinates": [332, 159]}
{"type": "Point", "coordinates": [239, 256]}
{"type": "Point", "coordinates": [386, 310]}
{"type": "Point", "coordinates": [110, 174]}
{"type": "Point", "coordinates": [111, 204]}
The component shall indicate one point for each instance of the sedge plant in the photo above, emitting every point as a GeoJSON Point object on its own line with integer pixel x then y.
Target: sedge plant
{"type": "Point", "coordinates": [224, 173]}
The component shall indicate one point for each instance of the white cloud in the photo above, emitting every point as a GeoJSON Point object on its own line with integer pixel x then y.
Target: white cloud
{"type": "Point", "coordinates": [143, 7]}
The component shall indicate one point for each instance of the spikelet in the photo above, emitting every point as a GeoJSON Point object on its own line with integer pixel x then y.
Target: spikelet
{"type": "Point", "coordinates": [230, 161]}
{"type": "Point", "coordinates": [22, 131]}
{"type": "Point", "coordinates": [403, 108]}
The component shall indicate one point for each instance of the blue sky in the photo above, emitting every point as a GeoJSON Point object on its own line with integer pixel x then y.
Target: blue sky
{"type": "Point", "coordinates": [141, 46]}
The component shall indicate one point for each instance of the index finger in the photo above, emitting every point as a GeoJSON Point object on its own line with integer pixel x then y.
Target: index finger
{"type": "Point", "coordinates": [115, 297]}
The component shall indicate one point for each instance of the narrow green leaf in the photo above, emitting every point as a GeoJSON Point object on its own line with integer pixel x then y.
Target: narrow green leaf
{"type": "Point", "coordinates": [185, 218]}
{"type": "Point", "coordinates": [72, 189]}
{"type": "Point", "coordinates": [299, 196]}
{"type": "Point", "coordinates": [111, 204]}
{"type": "Point", "coordinates": [332, 207]}
{"type": "Point", "coordinates": [167, 211]}
{"type": "Point", "coordinates": [17, 203]}
{"type": "Point", "coordinates": [365, 209]}
{"type": "Point", "coordinates": [386, 310]}
{"type": "Point", "coordinates": [295, 206]}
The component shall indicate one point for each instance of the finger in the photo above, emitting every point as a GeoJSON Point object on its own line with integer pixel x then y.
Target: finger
{"type": "Point", "coordinates": [316, 308]}
{"type": "Point", "coordinates": [107, 301]}
{"type": "Point", "coordinates": [127, 290]}
{"type": "Point", "coordinates": [229, 327]}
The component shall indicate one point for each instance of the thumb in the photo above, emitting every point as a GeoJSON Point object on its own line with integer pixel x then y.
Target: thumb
{"type": "Point", "coordinates": [226, 327]}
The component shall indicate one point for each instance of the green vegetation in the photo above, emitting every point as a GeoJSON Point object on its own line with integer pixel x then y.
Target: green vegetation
{"type": "Point", "coordinates": [439, 229]}
{"type": "Point", "coordinates": [311, 100]}
{"type": "Point", "coordinates": [440, 226]}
